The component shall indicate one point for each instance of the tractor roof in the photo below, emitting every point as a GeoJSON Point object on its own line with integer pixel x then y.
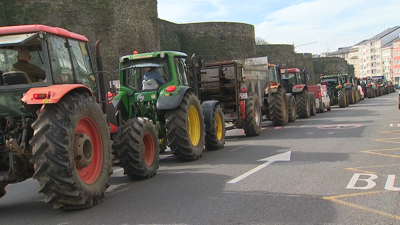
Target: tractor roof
{"type": "Point", "coordinates": [153, 55]}
{"type": "Point", "coordinates": [21, 29]}
{"type": "Point", "coordinates": [291, 70]}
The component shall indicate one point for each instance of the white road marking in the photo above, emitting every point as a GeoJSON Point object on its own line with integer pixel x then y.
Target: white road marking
{"type": "Point", "coordinates": [283, 157]}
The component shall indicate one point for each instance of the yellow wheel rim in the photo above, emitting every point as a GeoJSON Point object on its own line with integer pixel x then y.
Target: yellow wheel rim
{"type": "Point", "coordinates": [218, 126]}
{"type": "Point", "coordinates": [160, 141]}
{"type": "Point", "coordinates": [194, 125]}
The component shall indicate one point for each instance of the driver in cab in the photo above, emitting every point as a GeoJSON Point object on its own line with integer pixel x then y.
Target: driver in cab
{"type": "Point", "coordinates": [33, 71]}
{"type": "Point", "coordinates": [152, 73]}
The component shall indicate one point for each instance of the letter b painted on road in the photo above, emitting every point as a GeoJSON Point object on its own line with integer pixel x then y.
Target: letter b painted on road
{"type": "Point", "coordinates": [363, 183]}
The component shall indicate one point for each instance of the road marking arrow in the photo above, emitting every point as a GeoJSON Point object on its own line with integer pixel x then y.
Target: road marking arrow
{"type": "Point", "coordinates": [283, 157]}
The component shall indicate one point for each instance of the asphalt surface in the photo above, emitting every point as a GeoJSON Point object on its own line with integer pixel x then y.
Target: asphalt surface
{"type": "Point", "coordinates": [337, 167]}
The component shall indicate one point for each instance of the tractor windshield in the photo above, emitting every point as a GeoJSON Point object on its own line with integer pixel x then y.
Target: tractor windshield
{"type": "Point", "coordinates": [135, 70]}
{"type": "Point", "coordinates": [330, 82]}
{"type": "Point", "coordinates": [21, 60]}
{"type": "Point", "coordinates": [272, 75]}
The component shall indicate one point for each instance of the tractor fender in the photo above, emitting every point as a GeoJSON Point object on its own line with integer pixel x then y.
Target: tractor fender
{"type": "Point", "coordinates": [53, 93]}
{"type": "Point", "coordinates": [298, 88]}
{"type": "Point", "coordinates": [208, 109]}
{"type": "Point", "coordinates": [173, 101]}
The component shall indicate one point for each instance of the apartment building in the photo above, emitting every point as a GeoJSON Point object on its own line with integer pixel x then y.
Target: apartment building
{"type": "Point", "coordinates": [371, 61]}
{"type": "Point", "coordinates": [387, 60]}
{"type": "Point", "coordinates": [396, 58]}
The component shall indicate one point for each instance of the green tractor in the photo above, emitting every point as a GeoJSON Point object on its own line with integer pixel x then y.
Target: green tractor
{"type": "Point", "coordinates": [350, 85]}
{"type": "Point", "coordinates": [183, 123]}
{"type": "Point", "coordinates": [336, 89]}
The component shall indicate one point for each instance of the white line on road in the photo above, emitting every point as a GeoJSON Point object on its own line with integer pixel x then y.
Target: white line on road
{"type": "Point", "coordinates": [240, 147]}
{"type": "Point", "coordinates": [269, 160]}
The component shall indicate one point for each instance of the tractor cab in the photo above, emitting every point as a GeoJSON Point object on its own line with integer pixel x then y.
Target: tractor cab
{"type": "Point", "coordinates": [38, 56]}
{"type": "Point", "coordinates": [290, 77]}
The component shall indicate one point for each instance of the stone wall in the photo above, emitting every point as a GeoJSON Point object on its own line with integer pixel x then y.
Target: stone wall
{"type": "Point", "coordinates": [215, 41]}
{"type": "Point", "coordinates": [121, 26]}
{"type": "Point", "coordinates": [285, 56]}
{"type": "Point", "coordinates": [331, 64]}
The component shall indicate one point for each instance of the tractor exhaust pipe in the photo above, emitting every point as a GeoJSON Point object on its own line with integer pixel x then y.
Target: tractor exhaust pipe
{"type": "Point", "coordinates": [102, 82]}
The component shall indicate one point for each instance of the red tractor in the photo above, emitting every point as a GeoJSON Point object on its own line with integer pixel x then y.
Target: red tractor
{"type": "Point", "coordinates": [56, 123]}
{"type": "Point", "coordinates": [294, 82]}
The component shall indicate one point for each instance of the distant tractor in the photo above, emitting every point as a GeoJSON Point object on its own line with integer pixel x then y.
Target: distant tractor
{"type": "Point", "coordinates": [372, 90]}
{"type": "Point", "coordinates": [295, 84]}
{"type": "Point", "coordinates": [57, 126]}
{"type": "Point", "coordinates": [183, 120]}
{"type": "Point", "coordinates": [351, 87]}
{"type": "Point", "coordinates": [336, 90]}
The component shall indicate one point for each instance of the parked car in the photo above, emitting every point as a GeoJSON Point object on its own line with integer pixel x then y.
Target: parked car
{"type": "Point", "coordinates": [360, 89]}
{"type": "Point", "coordinates": [322, 99]}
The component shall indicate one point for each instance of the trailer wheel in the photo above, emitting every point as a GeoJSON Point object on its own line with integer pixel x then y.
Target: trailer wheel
{"type": "Point", "coordinates": [322, 110]}
{"type": "Point", "coordinates": [303, 104]}
{"type": "Point", "coordinates": [138, 149]}
{"type": "Point", "coordinates": [72, 152]}
{"type": "Point", "coordinates": [292, 109]}
{"type": "Point", "coordinates": [186, 129]}
{"type": "Point", "coordinates": [342, 98]}
{"type": "Point", "coordinates": [278, 108]}
{"type": "Point", "coordinates": [253, 119]}
{"type": "Point", "coordinates": [215, 138]}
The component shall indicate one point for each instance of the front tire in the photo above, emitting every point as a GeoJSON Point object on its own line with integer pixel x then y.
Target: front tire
{"type": "Point", "coordinates": [292, 109]}
{"type": "Point", "coordinates": [138, 149]}
{"type": "Point", "coordinates": [72, 152]}
{"type": "Point", "coordinates": [186, 129]}
{"type": "Point", "coordinates": [303, 104]}
{"type": "Point", "coordinates": [342, 98]}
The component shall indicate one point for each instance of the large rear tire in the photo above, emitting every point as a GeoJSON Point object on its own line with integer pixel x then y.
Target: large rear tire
{"type": "Point", "coordinates": [215, 137]}
{"type": "Point", "coordinates": [252, 122]}
{"type": "Point", "coordinates": [278, 108]}
{"type": "Point", "coordinates": [186, 129]}
{"type": "Point", "coordinates": [138, 149]}
{"type": "Point", "coordinates": [303, 104]}
{"type": "Point", "coordinates": [292, 109]}
{"type": "Point", "coordinates": [72, 152]}
{"type": "Point", "coordinates": [342, 99]}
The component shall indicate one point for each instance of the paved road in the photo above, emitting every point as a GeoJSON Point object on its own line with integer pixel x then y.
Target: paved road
{"type": "Point", "coordinates": [338, 167]}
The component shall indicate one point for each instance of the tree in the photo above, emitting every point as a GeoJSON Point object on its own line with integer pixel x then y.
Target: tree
{"type": "Point", "coordinates": [261, 41]}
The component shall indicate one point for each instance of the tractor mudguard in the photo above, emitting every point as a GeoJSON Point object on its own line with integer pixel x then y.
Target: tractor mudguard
{"type": "Point", "coordinates": [171, 102]}
{"type": "Point", "coordinates": [298, 88]}
{"type": "Point", "coordinates": [52, 94]}
{"type": "Point", "coordinates": [208, 109]}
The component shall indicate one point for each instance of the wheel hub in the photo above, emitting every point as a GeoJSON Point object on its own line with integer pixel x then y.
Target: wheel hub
{"type": "Point", "coordinates": [83, 150]}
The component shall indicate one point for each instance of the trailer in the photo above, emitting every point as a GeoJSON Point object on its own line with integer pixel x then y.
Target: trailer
{"type": "Point", "coordinates": [242, 87]}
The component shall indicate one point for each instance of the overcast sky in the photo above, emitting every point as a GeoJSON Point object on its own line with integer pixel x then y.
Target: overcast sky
{"type": "Point", "coordinates": [318, 25]}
